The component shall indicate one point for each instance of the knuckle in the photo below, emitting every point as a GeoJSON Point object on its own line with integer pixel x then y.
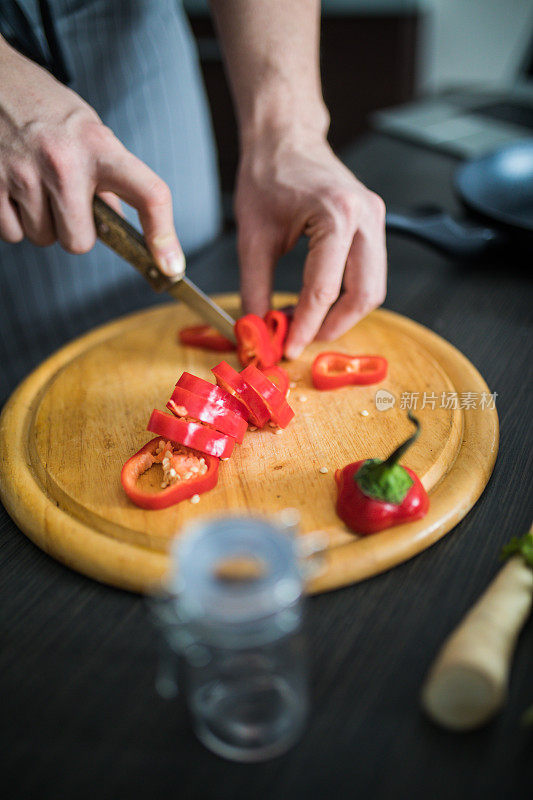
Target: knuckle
{"type": "Point", "coordinates": [322, 295]}
{"type": "Point", "coordinates": [98, 136]}
{"type": "Point", "coordinates": [365, 303]}
{"type": "Point", "coordinates": [58, 160]}
{"type": "Point", "coordinates": [345, 205]}
{"type": "Point", "coordinates": [158, 194]}
{"type": "Point", "coordinates": [369, 301]}
{"type": "Point", "coordinates": [10, 236]}
{"type": "Point", "coordinates": [79, 243]}
{"type": "Point", "coordinates": [23, 177]}
{"type": "Point", "coordinates": [377, 206]}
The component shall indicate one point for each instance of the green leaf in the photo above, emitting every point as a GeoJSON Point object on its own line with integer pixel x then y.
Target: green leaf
{"type": "Point", "coordinates": [520, 545]}
{"type": "Point", "coordinates": [527, 716]}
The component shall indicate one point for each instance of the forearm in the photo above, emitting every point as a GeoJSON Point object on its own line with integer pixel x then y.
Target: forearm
{"type": "Point", "coordinates": [289, 181]}
{"type": "Point", "coordinates": [271, 48]}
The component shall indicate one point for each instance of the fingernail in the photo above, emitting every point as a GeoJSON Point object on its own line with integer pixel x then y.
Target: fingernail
{"type": "Point", "coordinates": [172, 264]}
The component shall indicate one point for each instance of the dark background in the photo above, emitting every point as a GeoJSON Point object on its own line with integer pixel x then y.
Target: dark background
{"type": "Point", "coordinates": [80, 716]}
{"type": "Point", "coordinates": [368, 62]}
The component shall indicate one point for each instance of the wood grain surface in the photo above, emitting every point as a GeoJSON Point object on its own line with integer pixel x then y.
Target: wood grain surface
{"type": "Point", "coordinates": [70, 426]}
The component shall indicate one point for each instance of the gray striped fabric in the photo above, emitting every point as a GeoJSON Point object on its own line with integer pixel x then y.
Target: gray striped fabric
{"type": "Point", "coordinates": [134, 62]}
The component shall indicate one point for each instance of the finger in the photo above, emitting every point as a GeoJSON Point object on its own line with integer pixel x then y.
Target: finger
{"type": "Point", "coordinates": [365, 282]}
{"type": "Point", "coordinates": [323, 273]}
{"type": "Point", "coordinates": [36, 216]}
{"type": "Point", "coordinates": [112, 200]}
{"type": "Point", "coordinates": [138, 185]}
{"type": "Point", "coordinates": [27, 191]}
{"type": "Point", "coordinates": [10, 225]}
{"type": "Point", "coordinates": [72, 211]}
{"type": "Point", "coordinates": [257, 261]}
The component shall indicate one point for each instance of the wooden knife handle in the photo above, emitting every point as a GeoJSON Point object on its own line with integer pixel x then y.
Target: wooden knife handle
{"type": "Point", "coordinates": [126, 241]}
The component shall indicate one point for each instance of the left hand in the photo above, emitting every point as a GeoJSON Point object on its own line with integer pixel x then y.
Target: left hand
{"type": "Point", "coordinates": [293, 184]}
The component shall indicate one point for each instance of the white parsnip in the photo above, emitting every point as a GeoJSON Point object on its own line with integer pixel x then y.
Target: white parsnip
{"type": "Point", "coordinates": [467, 684]}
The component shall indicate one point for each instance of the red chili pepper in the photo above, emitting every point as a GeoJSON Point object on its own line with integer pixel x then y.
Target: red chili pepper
{"type": "Point", "coordinates": [183, 487]}
{"type": "Point", "coordinates": [280, 411]}
{"type": "Point", "coordinates": [375, 494]}
{"type": "Point", "coordinates": [277, 324]}
{"type": "Point", "coordinates": [191, 434]}
{"type": "Point", "coordinates": [254, 345]}
{"type": "Point", "coordinates": [279, 377]}
{"type": "Point", "coordinates": [213, 394]}
{"type": "Point", "coordinates": [186, 404]}
{"type": "Point", "coordinates": [206, 337]}
{"type": "Point", "coordinates": [230, 380]}
{"type": "Point", "coordinates": [332, 370]}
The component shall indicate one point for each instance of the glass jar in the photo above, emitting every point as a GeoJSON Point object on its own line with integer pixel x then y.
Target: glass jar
{"type": "Point", "coordinates": [233, 614]}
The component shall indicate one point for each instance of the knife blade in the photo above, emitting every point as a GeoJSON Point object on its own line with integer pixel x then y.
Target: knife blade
{"type": "Point", "coordinates": [117, 233]}
{"type": "Point", "coordinates": [192, 296]}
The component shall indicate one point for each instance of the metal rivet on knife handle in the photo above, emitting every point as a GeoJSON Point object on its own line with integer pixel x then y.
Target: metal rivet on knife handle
{"type": "Point", "coordinates": [127, 242]}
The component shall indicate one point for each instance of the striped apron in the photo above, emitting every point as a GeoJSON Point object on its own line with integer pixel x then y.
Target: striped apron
{"type": "Point", "coordinates": [134, 61]}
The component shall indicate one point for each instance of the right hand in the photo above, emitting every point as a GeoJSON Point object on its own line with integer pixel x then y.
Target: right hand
{"type": "Point", "coordinates": [55, 155]}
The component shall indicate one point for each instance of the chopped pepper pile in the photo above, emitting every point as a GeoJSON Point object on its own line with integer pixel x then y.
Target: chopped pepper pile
{"type": "Point", "coordinates": [207, 420]}
{"type": "Point", "coordinates": [205, 424]}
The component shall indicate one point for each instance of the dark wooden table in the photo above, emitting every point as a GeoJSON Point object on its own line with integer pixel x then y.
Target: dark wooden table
{"type": "Point", "coordinates": [80, 717]}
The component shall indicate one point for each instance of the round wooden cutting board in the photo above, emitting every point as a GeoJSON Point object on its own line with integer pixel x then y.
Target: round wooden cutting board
{"type": "Point", "coordinates": [69, 427]}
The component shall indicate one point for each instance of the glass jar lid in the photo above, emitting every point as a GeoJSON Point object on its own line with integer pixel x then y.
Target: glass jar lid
{"type": "Point", "coordinates": [234, 570]}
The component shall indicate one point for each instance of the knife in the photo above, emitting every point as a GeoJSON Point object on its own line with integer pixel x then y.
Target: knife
{"type": "Point", "coordinates": [127, 242]}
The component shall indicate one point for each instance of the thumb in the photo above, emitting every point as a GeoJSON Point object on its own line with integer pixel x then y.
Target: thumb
{"type": "Point", "coordinates": [257, 261]}
{"type": "Point", "coordinates": [133, 181]}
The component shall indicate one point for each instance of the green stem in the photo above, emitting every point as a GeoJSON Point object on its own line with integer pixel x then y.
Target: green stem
{"type": "Point", "coordinates": [400, 450]}
{"type": "Point", "coordinates": [387, 480]}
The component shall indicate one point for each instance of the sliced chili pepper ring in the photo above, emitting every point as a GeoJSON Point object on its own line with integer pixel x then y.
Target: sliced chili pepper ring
{"type": "Point", "coordinates": [280, 411]}
{"type": "Point", "coordinates": [205, 337]}
{"type": "Point", "coordinates": [332, 370]}
{"type": "Point", "coordinates": [184, 403]}
{"type": "Point", "coordinates": [174, 493]}
{"type": "Point", "coordinates": [232, 381]}
{"type": "Point", "coordinates": [279, 377]}
{"type": "Point", "coordinates": [277, 324]}
{"type": "Point", "coordinates": [254, 345]}
{"type": "Point", "coordinates": [191, 434]}
{"type": "Point", "coordinates": [213, 394]}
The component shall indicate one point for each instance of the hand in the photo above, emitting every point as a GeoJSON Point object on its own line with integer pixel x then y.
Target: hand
{"type": "Point", "coordinates": [293, 185]}
{"type": "Point", "coordinates": [55, 155]}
